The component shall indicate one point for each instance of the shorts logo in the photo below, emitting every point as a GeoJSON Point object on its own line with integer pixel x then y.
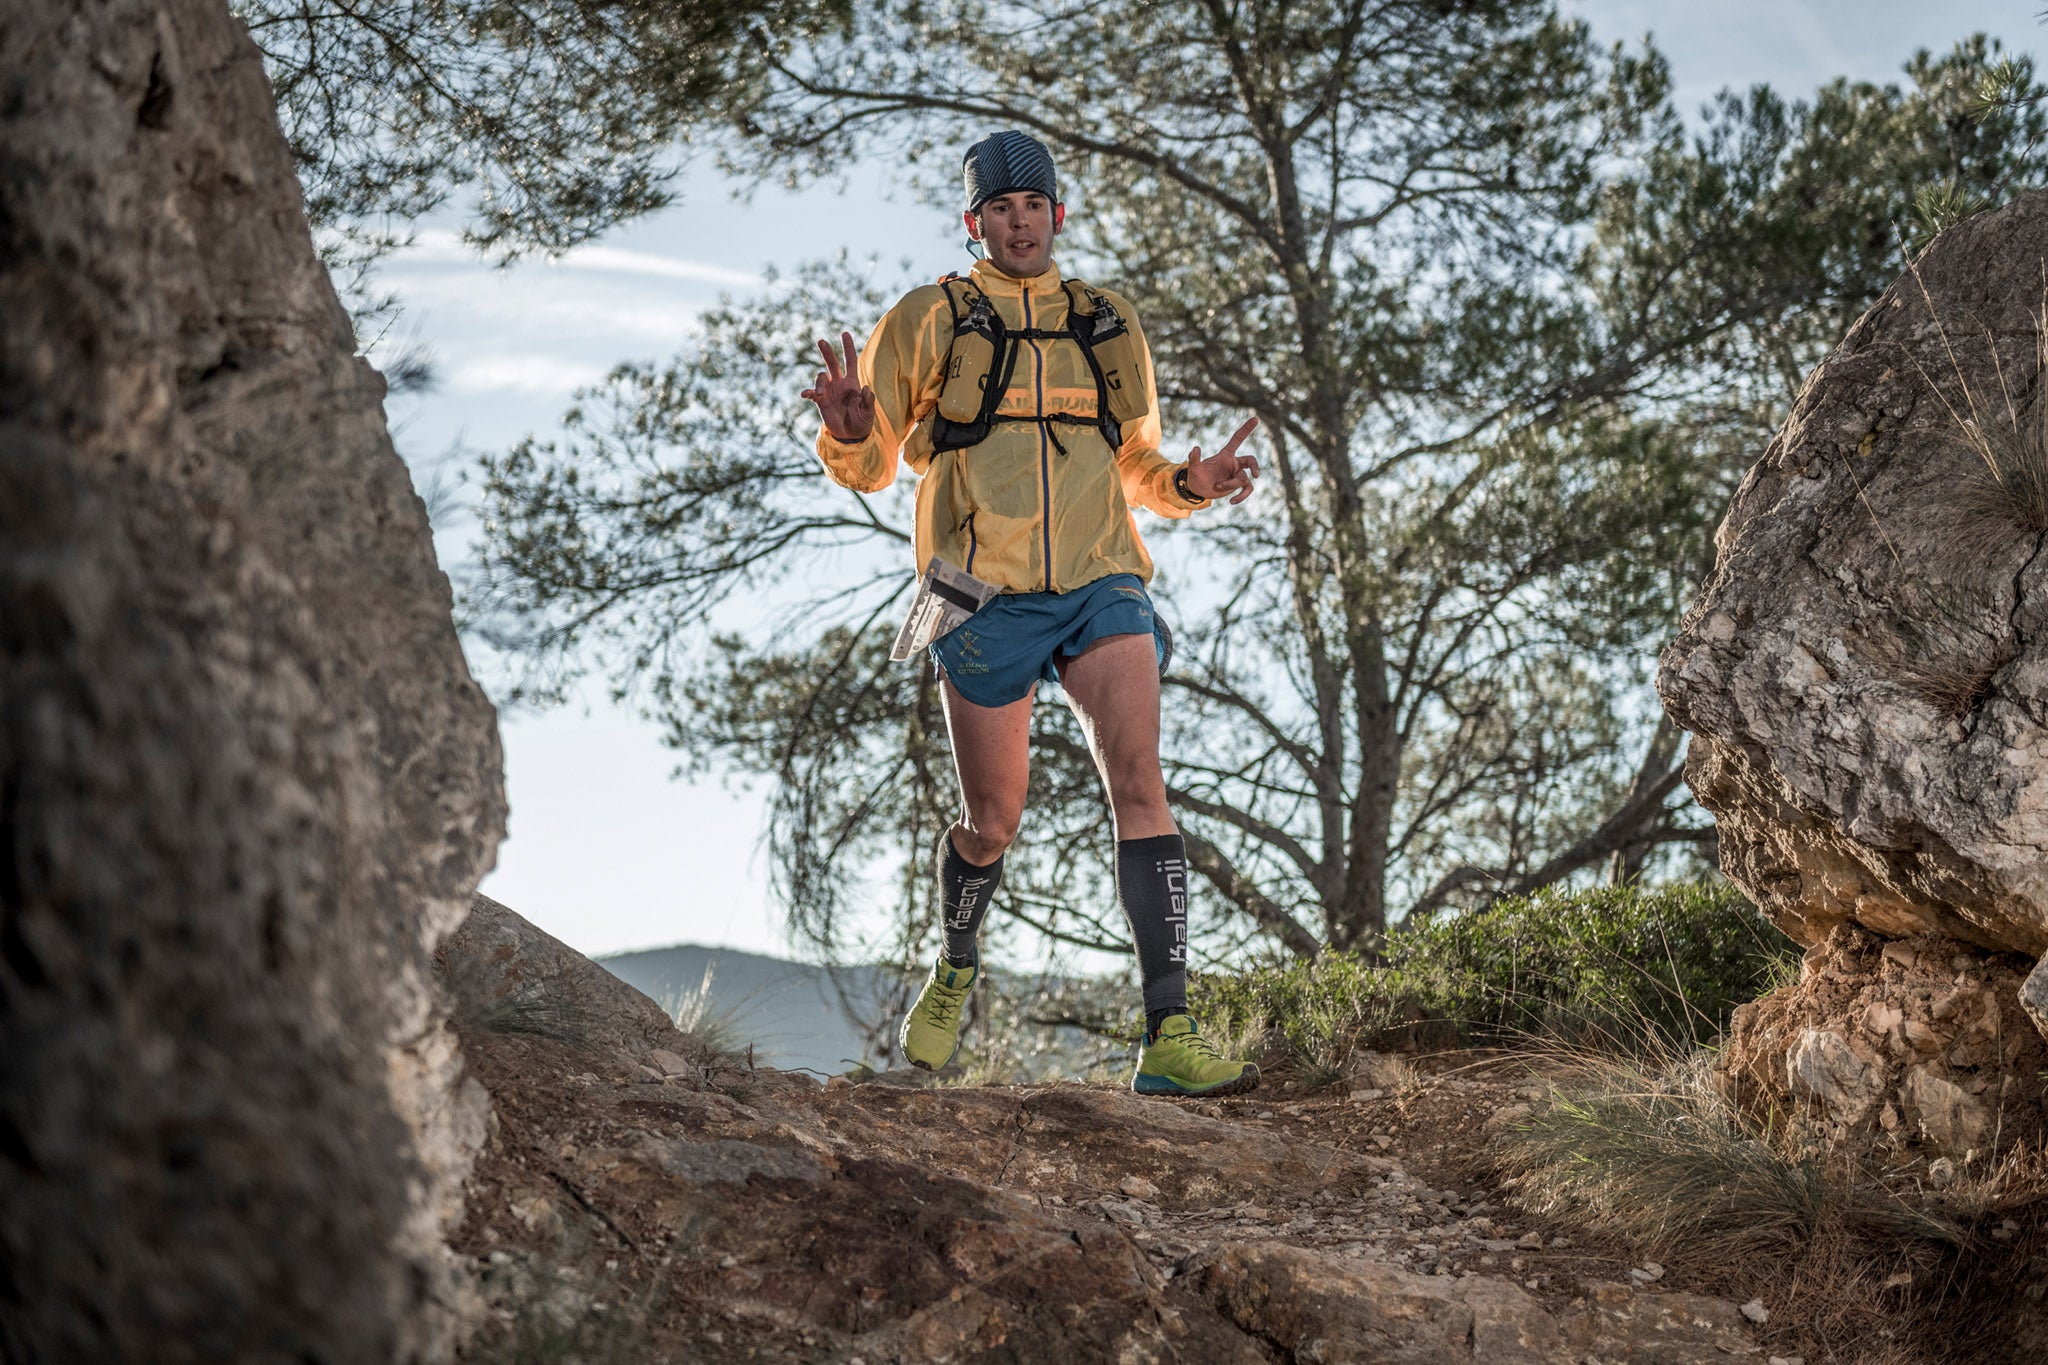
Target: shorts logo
{"type": "Point", "coordinates": [967, 654]}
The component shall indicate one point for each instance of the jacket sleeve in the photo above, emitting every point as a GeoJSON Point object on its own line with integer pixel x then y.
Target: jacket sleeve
{"type": "Point", "coordinates": [1147, 473]}
{"type": "Point", "coordinates": [901, 364]}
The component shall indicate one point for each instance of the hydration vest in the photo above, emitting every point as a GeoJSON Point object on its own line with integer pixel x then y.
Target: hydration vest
{"type": "Point", "coordinates": [983, 356]}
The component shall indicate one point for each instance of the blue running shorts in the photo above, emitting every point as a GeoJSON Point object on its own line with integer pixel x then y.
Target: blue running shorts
{"type": "Point", "coordinates": [999, 654]}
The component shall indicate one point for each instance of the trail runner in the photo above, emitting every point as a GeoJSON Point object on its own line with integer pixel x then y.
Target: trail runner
{"type": "Point", "coordinates": [1025, 404]}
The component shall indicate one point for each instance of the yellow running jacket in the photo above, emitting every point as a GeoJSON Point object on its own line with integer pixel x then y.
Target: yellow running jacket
{"type": "Point", "coordinates": [1012, 510]}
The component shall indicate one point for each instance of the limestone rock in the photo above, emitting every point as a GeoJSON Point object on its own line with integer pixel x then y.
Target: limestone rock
{"type": "Point", "coordinates": [504, 975]}
{"type": "Point", "coordinates": [1829, 1071]}
{"type": "Point", "coordinates": [1914, 1045]}
{"type": "Point", "coordinates": [1866, 673]}
{"type": "Point", "coordinates": [246, 779]}
{"type": "Point", "coordinates": [1370, 1070]}
{"type": "Point", "coordinates": [1349, 1313]}
{"type": "Point", "coordinates": [1335, 1310]}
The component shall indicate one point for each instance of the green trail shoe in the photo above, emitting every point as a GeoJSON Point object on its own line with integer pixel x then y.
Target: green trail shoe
{"type": "Point", "coordinates": [1178, 1060]}
{"type": "Point", "coordinates": [931, 1031]}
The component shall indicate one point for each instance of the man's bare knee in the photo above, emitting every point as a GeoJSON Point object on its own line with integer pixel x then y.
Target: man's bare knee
{"type": "Point", "coordinates": [1135, 779]}
{"type": "Point", "coordinates": [984, 839]}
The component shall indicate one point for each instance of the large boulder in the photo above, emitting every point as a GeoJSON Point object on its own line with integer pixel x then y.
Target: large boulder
{"type": "Point", "coordinates": [246, 780]}
{"type": "Point", "coordinates": [1866, 673]}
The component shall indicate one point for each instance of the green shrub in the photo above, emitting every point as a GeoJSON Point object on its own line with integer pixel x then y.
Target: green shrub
{"type": "Point", "coordinates": [1613, 967]}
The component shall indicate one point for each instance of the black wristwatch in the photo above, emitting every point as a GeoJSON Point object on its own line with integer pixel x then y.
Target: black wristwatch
{"type": "Point", "coordinates": [1180, 485]}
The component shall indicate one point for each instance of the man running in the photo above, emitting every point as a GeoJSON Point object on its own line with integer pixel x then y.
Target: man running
{"type": "Point", "coordinates": [1025, 404]}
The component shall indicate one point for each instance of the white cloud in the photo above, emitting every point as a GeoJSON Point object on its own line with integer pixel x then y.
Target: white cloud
{"type": "Point", "coordinates": [602, 313]}
{"type": "Point", "coordinates": [521, 372]}
{"type": "Point", "coordinates": [440, 245]}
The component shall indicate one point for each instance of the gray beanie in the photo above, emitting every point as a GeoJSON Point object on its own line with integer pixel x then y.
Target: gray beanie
{"type": "Point", "coordinates": [1006, 161]}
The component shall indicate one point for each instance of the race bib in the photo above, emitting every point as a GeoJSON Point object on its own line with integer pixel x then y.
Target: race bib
{"type": "Point", "coordinates": [946, 596]}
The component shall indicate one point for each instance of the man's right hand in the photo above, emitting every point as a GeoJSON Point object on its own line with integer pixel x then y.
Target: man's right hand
{"type": "Point", "coordinates": [847, 404]}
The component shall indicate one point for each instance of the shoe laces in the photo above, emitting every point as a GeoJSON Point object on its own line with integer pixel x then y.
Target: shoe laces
{"type": "Point", "coordinates": [1195, 1041]}
{"type": "Point", "coordinates": [945, 1003]}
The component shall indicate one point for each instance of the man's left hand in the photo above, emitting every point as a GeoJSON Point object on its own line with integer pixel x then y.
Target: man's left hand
{"type": "Point", "coordinates": [1226, 471]}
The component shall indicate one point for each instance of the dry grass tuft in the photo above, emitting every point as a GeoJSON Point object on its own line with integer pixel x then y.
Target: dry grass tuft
{"type": "Point", "coordinates": [717, 1029]}
{"type": "Point", "coordinates": [1856, 1263]}
{"type": "Point", "coordinates": [1944, 650]}
{"type": "Point", "coordinates": [2009, 440]}
{"type": "Point", "coordinates": [1940, 651]}
{"type": "Point", "coordinates": [1651, 1152]}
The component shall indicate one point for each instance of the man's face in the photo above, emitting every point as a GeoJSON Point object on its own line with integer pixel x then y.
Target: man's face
{"type": "Point", "coordinates": [1017, 228]}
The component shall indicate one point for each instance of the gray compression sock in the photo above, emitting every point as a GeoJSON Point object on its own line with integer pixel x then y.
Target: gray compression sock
{"type": "Point", "coordinates": [964, 894]}
{"type": "Point", "coordinates": [1152, 884]}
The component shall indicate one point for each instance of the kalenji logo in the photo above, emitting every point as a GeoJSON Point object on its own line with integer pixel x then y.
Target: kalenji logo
{"type": "Point", "coordinates": [960, 914]}
{"type": "Point", "coordinates": [1176, 873]}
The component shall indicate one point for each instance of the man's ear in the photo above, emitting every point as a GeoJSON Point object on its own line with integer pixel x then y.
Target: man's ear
{"type": "Point", "coordinates": [1059, 217]}
{"type": "Point", "coordinates": [973, 222]}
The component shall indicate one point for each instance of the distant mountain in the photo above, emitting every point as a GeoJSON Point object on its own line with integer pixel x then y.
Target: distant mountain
{"type": "Point", "coordinates": [793, 1014]}
{"type": "Point", "coordinates": [789, 1011]}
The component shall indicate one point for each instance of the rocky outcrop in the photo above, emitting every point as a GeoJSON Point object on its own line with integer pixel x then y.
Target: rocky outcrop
{"type": "Point", "coordinates": [1910, 1045]}
{"type": "Point", "coordinates": [246, 780]}
{"type": "Point", "coordinates": [1866, 673]}
{"type": "Point", "coordinates": [713, 1211]}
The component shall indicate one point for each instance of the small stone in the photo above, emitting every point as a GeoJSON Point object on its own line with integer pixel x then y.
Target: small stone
{"type": "Point", "coordinates": [1530, 1241]}
{"type": "Point", "coordinates": [1755, 1311]}
{"type": "Point", "coordinates": [1137, 1187]}
{"type": "Point", "coordinates": [1367, 1095]}
{"type": "Point", "coordinates": [1512, 1113]}
{"type": "Point", "coordinates": [1653, 1270]}
{"type": "Point", "coordinates": [715, 1337]}
{"type": "Point", "coordinates": [1941, 1172]}
{"type": "Point", "coordinates": [1560, 1243]}
{"type": "Point", "coordinates": [1898, 1279]}
{"type": "Point", "coordinates": [727, 1262]}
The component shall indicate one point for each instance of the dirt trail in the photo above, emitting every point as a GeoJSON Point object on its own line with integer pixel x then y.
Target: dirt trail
{"type": "Point", "coordinates": [636, 1203]}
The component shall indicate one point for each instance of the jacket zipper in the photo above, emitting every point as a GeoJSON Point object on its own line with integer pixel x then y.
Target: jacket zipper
{"type": "Point", "coordinates": [1044, 459]}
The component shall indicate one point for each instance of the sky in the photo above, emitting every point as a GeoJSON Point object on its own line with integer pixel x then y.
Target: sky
{"type": "Point", "coordinates": [605, 850]}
